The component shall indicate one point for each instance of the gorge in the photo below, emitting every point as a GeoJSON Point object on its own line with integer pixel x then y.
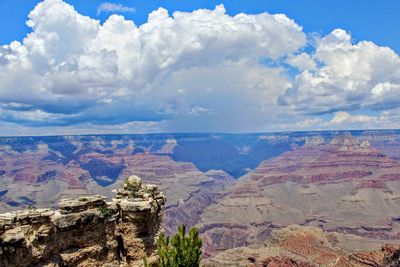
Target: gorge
{"type": "Point", "coordinates": [238, 190]}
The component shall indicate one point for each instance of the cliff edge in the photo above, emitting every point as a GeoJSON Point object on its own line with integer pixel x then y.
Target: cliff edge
{"type": "Point", "coordinates": [87, 231]}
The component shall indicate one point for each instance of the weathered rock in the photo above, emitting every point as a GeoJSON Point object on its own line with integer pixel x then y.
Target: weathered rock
{"type": "Point", "coordinates": [86, 231]}
{"type": "Point", "coordinates": [299, 246]}
{"type": "Point", "coordinates": [133, 206]}
{"type": "Point", "coordinates": [81, 203]}
{"type": "Point", "coordinates": [133, 183]}
{"type": "Point", "coordinates": [14, 236]}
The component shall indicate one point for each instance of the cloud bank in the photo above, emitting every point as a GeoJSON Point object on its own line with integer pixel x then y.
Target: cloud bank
{"type": "Point", "coordinates": [191, 71]}
{"type": "Point", "coordinates": [349, 77]}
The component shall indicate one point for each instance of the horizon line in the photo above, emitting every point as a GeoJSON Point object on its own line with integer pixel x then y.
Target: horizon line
{"type": "Point", "coordinates": [206, 133]}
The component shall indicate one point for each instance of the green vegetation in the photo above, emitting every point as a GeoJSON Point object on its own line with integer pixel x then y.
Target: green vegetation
{"type": "Point", "coordinates": [146, 262]}
{"type": "Point", "coordinates": [181, 251]}
{"type": "Point", "coordinates": [106, 212]}
{"type": "Point", "coordinates": [31, 208]}
{"type": "Point", "coordinates": [83, 199]}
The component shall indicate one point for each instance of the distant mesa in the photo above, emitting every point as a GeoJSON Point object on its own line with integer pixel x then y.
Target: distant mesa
{"type": "Point", "coordinates": [315, 141]}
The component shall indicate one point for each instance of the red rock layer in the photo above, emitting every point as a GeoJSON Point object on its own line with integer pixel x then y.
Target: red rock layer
{"type": "Point", "coordinates": [345, 186]}
{"type": "Point", "coordinates": [296, 246]}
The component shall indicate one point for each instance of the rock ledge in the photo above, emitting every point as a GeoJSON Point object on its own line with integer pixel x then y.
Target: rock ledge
{"type": "Point", "coordinates": [86, 231]}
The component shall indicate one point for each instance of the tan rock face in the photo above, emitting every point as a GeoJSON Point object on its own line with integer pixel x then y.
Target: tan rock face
{"type": "Point", "coordinates": [344, 186]}
{"type": "Point", "coordinates": [86, 231]}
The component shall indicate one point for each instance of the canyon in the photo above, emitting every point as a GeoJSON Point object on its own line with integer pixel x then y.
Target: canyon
{"type": "Point", "coordinates": [240, 190]}
{"type": "Point", "coordinates": [343, 186]}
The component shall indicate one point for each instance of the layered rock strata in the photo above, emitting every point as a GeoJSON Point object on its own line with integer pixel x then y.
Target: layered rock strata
{"type": "Point", "coordinates": [299, 246]}
{"type": "Point", "coordinates": [344, 186]}
{"type": "Point", "coordinates": [86, 231]}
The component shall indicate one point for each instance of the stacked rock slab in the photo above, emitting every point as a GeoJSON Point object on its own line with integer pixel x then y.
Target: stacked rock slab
{"type": "Point", "coordinates": [87, 231]}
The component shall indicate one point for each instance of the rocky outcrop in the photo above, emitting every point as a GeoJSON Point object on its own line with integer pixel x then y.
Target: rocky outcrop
{"type": "Point", "coordinates": [86, 231]}
{"type": "Point", "coordinates": [388, 256]}
{"type": "Point", "coordinates": [189, 191]}
{"type": "Point", "coordinates": [299, 246]}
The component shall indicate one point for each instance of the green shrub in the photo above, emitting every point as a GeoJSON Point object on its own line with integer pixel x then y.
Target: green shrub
{"type": "Point", "coordinates": [31, 208]}
{"type": "Point", "coordinates": [181, 251]}
{"type": "Point", "coordinates": [106, 212]}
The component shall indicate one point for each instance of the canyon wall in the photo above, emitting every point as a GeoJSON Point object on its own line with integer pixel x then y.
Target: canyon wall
{"type": "Point", "coordinates": [86, 231]}
{"type": "Point", "coordinates": [343, 185]}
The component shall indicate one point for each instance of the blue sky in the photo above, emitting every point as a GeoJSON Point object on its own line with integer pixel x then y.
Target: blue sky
{"type": "Point", "coordinates": [367, 20]}
{"type": "Point", "coordinates": [321, 65]}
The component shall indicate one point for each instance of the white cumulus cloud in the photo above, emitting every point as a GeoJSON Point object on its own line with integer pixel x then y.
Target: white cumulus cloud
{"type": "Point", "coordinates": [77, 70]}
{"type": "Point", "coordinates": [203, 70]}
{"type": "Point", "coordinates": [302, 61]}
{"type": "Point", "coordinates": [345, 118]}
{"type": "Point", "coordinates": [350, 77]}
